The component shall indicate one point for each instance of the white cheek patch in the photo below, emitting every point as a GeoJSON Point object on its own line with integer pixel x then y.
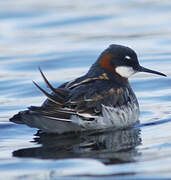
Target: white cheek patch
{"type": "Point", "coordinates": [125, 71]}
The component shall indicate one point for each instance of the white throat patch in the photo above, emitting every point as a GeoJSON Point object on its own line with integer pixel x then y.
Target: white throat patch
{"type": "Point", "coordinates": [125, 71]}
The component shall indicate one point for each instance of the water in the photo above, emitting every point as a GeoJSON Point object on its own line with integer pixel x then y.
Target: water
{"type": "Point", "coordinates": [64, 38]}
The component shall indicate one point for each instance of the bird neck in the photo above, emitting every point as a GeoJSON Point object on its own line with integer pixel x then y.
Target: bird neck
{"type": "Point", "coordinates": [97, 70]}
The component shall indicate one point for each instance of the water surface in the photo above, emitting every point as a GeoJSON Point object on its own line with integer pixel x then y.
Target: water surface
{"type": "Point", "coordinates": [64, 39]}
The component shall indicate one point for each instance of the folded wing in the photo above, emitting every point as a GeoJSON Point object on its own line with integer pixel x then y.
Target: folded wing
{"type": "Point", "coordinates": [82, 99]}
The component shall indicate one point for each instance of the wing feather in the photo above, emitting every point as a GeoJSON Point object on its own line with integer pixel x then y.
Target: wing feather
{"type": "Point", "coordinates": [84, 99]}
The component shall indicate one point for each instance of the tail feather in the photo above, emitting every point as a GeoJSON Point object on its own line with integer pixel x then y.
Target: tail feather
{"type": "Point", "coordinates": [17, 119]}
{"type": "Point", "coordinates": [60, 93]}
{"type": "Point", "coordinates": [47, 82]}
{"type": "Point", "coordinates": [52, 116]}
{"type": "Point", "coordinates": [45, 123]}
{"type": "Point", "coordinates": [49, 96]}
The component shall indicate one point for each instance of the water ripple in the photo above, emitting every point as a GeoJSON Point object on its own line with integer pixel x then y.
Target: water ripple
{"type": "Point", "coordinates": [64, 39]}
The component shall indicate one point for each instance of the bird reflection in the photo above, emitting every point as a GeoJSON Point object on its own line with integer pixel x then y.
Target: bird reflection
{"type": "Point", "coordinates": [111, 147]}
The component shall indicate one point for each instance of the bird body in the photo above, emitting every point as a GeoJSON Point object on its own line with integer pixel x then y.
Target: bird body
{"type": "Point", "coordinates": [101, 99]}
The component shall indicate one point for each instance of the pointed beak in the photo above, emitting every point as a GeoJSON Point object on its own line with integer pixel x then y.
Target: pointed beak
{"type": "Point", "coordinates": [143, 69]}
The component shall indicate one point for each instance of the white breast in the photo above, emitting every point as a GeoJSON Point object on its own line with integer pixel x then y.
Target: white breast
{"type": "Point", "coordinates": [119, 117]}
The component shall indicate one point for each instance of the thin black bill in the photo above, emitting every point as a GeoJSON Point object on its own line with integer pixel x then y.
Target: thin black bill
{"type": "Point", "coordinates": [143, 69]}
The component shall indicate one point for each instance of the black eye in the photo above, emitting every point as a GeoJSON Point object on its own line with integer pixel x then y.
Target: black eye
{"type": "Point", "coordinates": [127, 58]}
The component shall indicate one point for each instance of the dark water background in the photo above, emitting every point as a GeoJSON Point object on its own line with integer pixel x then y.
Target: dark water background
{"type": "Point", "coordinates": [64, 38]}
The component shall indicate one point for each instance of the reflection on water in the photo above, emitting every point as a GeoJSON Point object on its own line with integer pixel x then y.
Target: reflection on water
{"type": "Point", "coordinates": [64, 38]}
{"type": "Point", "coordinates": [115, 147]}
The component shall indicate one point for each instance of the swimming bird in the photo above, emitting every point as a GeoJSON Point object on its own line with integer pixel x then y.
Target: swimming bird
{"type": "Point", "coordinates": [100, 99]}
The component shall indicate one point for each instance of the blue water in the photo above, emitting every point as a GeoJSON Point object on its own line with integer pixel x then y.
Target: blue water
{"type": "Point", "coordinates": [64, 38]}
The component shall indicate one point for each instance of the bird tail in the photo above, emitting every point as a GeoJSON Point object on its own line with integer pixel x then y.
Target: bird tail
{"type": "Point", "coordinates": [51, 117]}
{"type": "Point", "coordinates": [17, 118]}
{"type": "Point", "coordinates": [44, 123]}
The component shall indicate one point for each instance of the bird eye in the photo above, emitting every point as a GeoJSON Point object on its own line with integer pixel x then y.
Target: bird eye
{"type": "Point", "coordinates": [127, 57]}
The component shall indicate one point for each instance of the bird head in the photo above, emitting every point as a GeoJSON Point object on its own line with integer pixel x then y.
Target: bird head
{"type": "Point", "coordinates": [123, 61]}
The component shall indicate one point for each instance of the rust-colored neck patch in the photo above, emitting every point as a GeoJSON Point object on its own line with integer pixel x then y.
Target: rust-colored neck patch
{"type": "Point", "coordinates": [105, 62]}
